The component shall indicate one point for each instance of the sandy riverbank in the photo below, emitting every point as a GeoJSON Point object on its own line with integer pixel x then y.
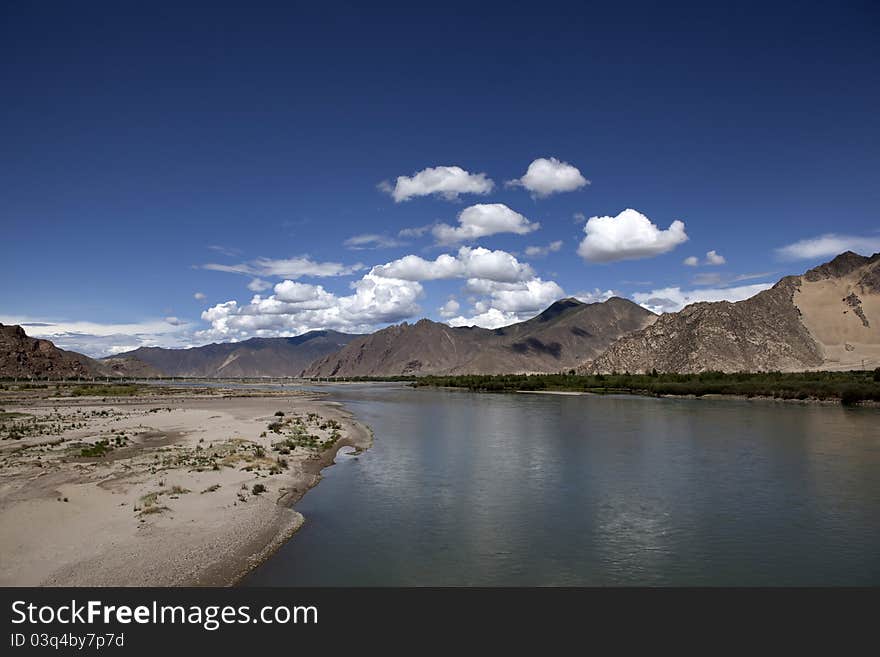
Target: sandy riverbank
{"type": "Point", "coordinates": [158, 489]}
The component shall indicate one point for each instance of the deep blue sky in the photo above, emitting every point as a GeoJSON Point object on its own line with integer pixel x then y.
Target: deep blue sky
{"type": "Point", "coordinates": [134, 136]}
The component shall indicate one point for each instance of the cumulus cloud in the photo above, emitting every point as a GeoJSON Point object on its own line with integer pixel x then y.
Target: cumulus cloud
{"type": "Point", "coordinates": [541, 251]}
{"type": "Point", "coordinates": [628, 236]}
{"type": "Point", "coordinates": [450, 308]}
{"type": "Point", "coordinates": [476, 262]}
{"type": "Point", "coordinates": [508, 303]}
{"type": "Point", "coordinates": [296, 308]}
{"type": "Point", "coordinates": [546, 176]}
{"type": "Point", "coordinates": [448, 182]}
{"type": "Point", "coordinates": [199, 296]}
{"type": "Point", "coordinates": [714, 258]}
{"type": "Point", "coordinates": [388, 293]}
{"type": "Point", "coordinates": [258, 285]}
{"type": "Point", "coordinates": [828, 246]}
{"type": "Point", "coordinates": [594, 296]}
{"type": "Point", "coordinates": [673, 299]}
{"type": "Point", "coordinates": [371, 241]}
{"type": "Point", "coordinates": [296, 267]}
{"type": "Point", "coordinates": [481, 220]}
{"type": "Point", "coordinates": [489, 319]}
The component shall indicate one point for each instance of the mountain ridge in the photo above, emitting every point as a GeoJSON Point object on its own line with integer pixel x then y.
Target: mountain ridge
{"type": "Point", "coordinates": [828, 317]}
{"type": "Point", "coordinates": [24, 356]}
{"type": "Point", "coordinates": [556, 339]}
{"type": "Point", "coordinates": [255, 357]}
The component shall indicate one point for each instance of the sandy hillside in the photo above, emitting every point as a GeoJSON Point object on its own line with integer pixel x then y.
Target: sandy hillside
{"type": "Point", "coordinates": [843, 316]}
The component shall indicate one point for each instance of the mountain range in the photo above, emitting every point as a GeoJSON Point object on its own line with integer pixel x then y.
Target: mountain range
{"type": "Point", "coordinates": [560, 338]}
{"type": "Point", "coordinates": [250, 358]}
{"type": "Point", "coordinates": [827, 318]}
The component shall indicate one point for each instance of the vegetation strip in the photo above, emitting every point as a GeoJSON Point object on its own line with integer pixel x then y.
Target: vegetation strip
{"type": "Point", "coordinates": [849, 387]}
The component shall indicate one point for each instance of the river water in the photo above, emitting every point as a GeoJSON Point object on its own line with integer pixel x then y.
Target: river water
{"type": "Point", "coordinates": [526, 489]}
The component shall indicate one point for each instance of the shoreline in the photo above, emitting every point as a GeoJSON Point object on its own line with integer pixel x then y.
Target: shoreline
{"type": "Point", "coordinates": [290, 499]}
{"type": "Point", "coordinates": [196, 492]}
{"type": "Point", "coordinates": [710, 395]}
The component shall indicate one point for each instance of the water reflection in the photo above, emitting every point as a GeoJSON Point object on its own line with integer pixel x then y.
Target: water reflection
{"type": "Point", "coordinates": [464, 488]}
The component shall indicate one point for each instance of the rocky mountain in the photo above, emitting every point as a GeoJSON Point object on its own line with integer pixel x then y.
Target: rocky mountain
{"type": "Point", "coordinates": [256, 357]}
{"type": "Point", "coordinates": [562, 336]}
{"type": "Point", "coordinates": [22, 356]}
{"type": "Point", "coordinates": [828, 318]}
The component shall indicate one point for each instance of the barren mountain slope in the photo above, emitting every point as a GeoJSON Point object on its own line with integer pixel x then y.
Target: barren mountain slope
{"type": "Point", "coordinates": [841, 310]}
{"type": "Point", "coordinates": [557, 339]}
{"type": "Point", "coordinates": [251, 358]}
{"type": "Point", "coordinates": [802, 322]}
{"type": "Point", "coordinates": [24, 357]}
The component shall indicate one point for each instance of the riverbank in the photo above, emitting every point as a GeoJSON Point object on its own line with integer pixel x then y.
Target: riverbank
{"type": "Point", "coordinates": [847, 388]}
{"type": "Point", "coordinates": [157, 487]}
{"type": "Point", "coordinates": [753, 398]}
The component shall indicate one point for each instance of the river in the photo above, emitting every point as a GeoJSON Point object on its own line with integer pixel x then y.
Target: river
{"type": "Point", "coordinates": [464, 488]}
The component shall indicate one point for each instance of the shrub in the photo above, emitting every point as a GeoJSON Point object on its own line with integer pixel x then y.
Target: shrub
{"type": "Point", "coordinates": [258, 488]}
{"type": "Point", "coordinates": [98, 449]}
{"type": "Point", "coordinates": [851, 396]}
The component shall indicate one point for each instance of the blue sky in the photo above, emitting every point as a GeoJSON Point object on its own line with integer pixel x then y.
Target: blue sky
{"type": "Point", "coordinates": [150, 153]}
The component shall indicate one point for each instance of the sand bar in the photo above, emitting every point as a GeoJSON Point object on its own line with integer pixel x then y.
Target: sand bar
{"type": "Point", "coordinates": [166, 487]}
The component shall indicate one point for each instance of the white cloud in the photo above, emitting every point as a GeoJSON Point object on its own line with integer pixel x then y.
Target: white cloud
{"type": "Point", "coordinates": [508, 303]}
{"type": "Point", "coordinates": [371, 241]}
{"type": "Point", "coordinates": [417, 231]}
{"type": "Point", "coordinates": [296, 267]}
{"type": "Point", "coordinates": [547, 176]}
{"type": "Point", "coordinates": [541, 251]}
{"type": "Point", "coordinates": [447, 182]}
{"type": "Point", "coordinates": [579, 217]}
{"type": "Point", "coordinates": [199, 296]}
{"type": "Point", "coordinates": [628, 236]}
{"type": "Point", "coordinates": [296, 308]}
{"type": "Point", "coordinates": [388, 293]}
{"type": "Point", "coordinates": [476, 262]}
{"type": "Point", "coordinates": [526, 297]}
{"type": "Point", "coordinates": [673, 299]}
{"type": "Point", "coordinates": [828, 246]}
{"type": "Point", "coordinates": [174, 321]}
{"type": "Point", "coordinates": [594, 296]}
{"type": "Point", "coordinates": [713, 258]}
{"type": "Point", "coordinates": [258, 285]}
{"type": "Point", "coordinates": [490, 319]}
{"type": "Point", "coordinates": [449, 308]}
{"type": "Point", "coordinates": [481, 220]}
